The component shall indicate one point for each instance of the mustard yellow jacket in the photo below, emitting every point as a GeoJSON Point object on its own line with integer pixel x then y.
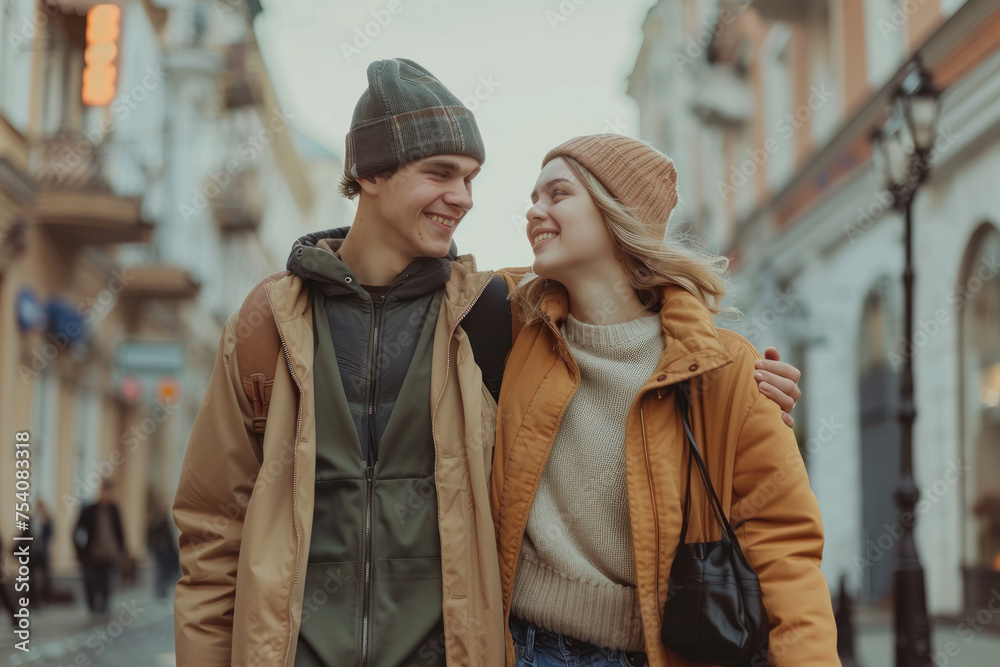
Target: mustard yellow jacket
{"type": "Point", "coordinates": [751, 456]}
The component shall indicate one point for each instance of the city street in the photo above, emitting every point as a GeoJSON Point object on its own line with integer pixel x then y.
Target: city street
{"type": "Point", "coordinates": [875, 649]}
{"type": "Point", "coordinates": [138, 631]}
{"type": "Point", "coordinates": [253, 327]}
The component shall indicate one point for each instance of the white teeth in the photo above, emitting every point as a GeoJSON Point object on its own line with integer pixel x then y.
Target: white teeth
{"type": "Point", "coordinates": [446, 223]}
{"type": "Point", "coordinates": [544, 236]}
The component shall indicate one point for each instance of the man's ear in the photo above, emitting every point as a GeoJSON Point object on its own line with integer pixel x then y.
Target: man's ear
{"type": "Point", "coordinates": [370, 184]}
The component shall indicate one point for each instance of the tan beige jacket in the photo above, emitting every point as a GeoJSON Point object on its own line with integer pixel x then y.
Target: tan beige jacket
{"type": "Point", "coordinates": [750, 454]}
{"type": "Point", "coordinates": [244, 508]}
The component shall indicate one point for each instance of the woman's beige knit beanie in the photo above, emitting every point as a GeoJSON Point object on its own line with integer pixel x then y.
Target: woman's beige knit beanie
{"type": "Point", "coordinates": [636, 174]}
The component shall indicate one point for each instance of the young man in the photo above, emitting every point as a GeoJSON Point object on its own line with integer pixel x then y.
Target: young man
{"type": "Point", "coordinates": [357, 530]}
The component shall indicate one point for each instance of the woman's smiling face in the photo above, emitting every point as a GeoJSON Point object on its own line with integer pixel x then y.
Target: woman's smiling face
{"type": "Point", "coordinates": [566, 229]}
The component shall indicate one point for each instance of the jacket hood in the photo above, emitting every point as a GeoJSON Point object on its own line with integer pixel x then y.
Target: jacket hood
{"type": "Point", "coordinates": [312, 258]}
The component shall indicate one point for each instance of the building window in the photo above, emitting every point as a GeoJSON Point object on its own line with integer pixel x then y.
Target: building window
{"type": "Point", "coordinates": [45, 435]}
{"type": "Point", "coordinates": [777, 74]}
{"type": "Point", "coordinates": [822, 77]}
{"type": "Point", "coordinates": [885, 39]}
{"type": "Point", "coordinates": [978, 294]}
{"type": "Point", "coordinates": [88, 436]}
{"type": "Point", "coordinates": [17, 44]}
{"type": "Point", "coordinates": [62, 108]}
{"type": "Point", "coordinates": [878, 406]}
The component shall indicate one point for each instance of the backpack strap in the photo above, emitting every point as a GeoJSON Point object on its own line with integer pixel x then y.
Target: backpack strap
{"type": "Point", "coordinates": [488, 326]}
{"type": "Point", "coordinates": [257, 349]}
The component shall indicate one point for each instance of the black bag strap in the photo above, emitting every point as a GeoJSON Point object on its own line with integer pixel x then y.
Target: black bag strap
{"type": "Point", "coordinates": [490, 333]}
{"type": "Point", "coordinates": [684, 404]}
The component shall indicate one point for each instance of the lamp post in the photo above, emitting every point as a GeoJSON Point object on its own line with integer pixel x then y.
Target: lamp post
{"type": "Point", "coordinates": [902, 149]}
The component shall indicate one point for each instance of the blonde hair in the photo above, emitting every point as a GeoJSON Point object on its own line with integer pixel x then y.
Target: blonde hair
{"type": "Point", "coordinates": [650, 262]}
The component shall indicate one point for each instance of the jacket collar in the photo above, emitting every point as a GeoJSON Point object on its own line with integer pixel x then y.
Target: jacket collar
{"type": "Point", "coordinates": [313, 259]}
{"type": "Point", "coordinates": [464, 288]}
{"type": "Point", "coordinates": [289, 297]}
{"type": "Point", "coordinates": [691, 342]}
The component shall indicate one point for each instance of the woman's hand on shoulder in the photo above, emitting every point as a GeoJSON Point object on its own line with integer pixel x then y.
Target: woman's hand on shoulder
{"type": "Point", "coordinates": [778, 381]}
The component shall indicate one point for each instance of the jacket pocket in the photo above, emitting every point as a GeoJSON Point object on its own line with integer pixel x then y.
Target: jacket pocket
{"type": "Point", "coordinates": [331, 613]}
{"type": "Point", "coordinates": [406, 616]}
{"type": "Point", "coordinates": [338, 521]}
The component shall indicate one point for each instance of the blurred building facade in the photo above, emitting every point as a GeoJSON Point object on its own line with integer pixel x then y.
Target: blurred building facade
{"type": "Point", "coordinates": [766, 107]}
{"type": "Point", "coordinates": [149, 177]}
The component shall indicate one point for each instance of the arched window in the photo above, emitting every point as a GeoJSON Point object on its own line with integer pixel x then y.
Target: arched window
{"type": "Point", "coordinates": [878, 392]}
{"type": "Point", "coordinates": [978, 296]}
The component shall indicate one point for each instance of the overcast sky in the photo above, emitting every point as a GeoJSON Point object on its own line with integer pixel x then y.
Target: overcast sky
{"type": "Point", "coordinates": [545, 71]}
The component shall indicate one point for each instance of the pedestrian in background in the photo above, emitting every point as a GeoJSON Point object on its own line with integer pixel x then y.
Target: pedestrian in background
{"type": "Point", "coordinates": [4, 593]}
{"type": "Point", "coordinates": [43, 561]}
{"type": "Point", "coordinates": [100, 546]}
{"type": "Point", "coordinates": [163, 545]}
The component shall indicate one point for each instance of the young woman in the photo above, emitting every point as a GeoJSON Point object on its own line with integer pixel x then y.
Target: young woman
{"type": "Point", "coordinates": [590, 475]}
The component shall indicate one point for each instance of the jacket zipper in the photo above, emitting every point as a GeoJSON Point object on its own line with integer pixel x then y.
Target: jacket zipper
{"type": "Point", "coordinates": [370, 481]}
{"type": "Point", "coordinates": [652, 496]}
{"type": "Point", "coordinates": [573, 366]}
{"type": "Point", "coordinates": [447, 370]}
{"type": "Point", "coordinates": [368, 566]}
{"type": "Point", "coordinates": [372, 379]}
{"type": "Point", "coordinates": [295, 447]}
{"type": "Point", "coordinates": [565, 351]}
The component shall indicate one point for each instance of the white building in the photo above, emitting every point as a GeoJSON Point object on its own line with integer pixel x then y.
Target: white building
{"type": "Point", "coordinates": [142, 220]}
{"type": "Point", "coordinates": [767, 107]}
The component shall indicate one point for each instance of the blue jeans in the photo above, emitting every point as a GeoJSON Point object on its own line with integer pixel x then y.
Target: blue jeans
{"type": "Point", "coordinates": [535, 647]}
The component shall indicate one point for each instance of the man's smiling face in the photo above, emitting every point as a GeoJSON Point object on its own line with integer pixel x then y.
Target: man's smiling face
{"type": "Point", "coordinates": [420, 206]}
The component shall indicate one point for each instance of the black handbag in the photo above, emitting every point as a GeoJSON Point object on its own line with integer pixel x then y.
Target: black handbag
{"type": "Point", "coordinates": [714, 611]}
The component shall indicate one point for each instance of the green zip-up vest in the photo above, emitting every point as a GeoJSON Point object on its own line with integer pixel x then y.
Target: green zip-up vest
{"type": "Point", "coordinates": [372, 591]}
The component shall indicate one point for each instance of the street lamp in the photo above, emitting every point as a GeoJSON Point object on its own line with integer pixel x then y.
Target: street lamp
{"type": "Point", "coordinates": [902, 150]}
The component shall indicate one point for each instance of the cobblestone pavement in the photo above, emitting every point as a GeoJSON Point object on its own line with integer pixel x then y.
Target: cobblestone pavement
{"type": "Point", "coordinates": [953, 643]}
{"type": "Point", "coordinates": [138, 630]}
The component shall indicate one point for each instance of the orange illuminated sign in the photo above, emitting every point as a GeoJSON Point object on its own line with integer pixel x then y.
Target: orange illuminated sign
{"type": "Point", "coordinates": [168, 390]}
{"type": "Point", "coordinates": [99, 72]}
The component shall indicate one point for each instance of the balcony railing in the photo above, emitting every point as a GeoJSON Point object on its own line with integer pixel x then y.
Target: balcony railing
{"type": "Point", "coordinates": [74, 199]}
{"type": "Point", "coordinates": [158, 281]}
{"type": "Point", "coordinates": [722, 97]}
{"type": "Point", "coordinates": [238, 207]}
{"type": "Point", "coordinates": [789, 10]}
{"type": "Point", "coordinates": [241, 77]}
{"type": "Point", "coordinates": [14, 162]}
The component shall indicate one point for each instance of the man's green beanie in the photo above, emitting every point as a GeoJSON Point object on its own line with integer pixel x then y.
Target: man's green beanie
{"type": "Point", "coordinates": [407, 114]}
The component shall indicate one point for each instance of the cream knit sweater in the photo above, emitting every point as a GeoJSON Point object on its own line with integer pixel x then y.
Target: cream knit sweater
{"type": "Point", "coordinates": [576, 574]}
